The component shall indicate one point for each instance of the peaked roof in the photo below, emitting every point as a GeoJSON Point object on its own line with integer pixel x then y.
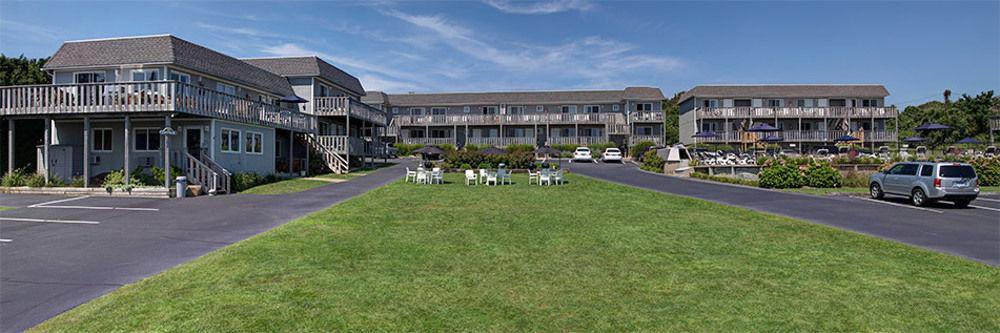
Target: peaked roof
{"type": "Point", "coordinates": [309, 66]}
{"type": "Point", "coordinates": [524, 97]}
{"type": "Point", "coordinates": [165, 49]}
{"type": "Point", "coordinates": [786, 91]}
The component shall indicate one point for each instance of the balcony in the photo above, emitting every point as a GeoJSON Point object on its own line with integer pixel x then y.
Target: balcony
{"type": "Point", "coordinates": [146, 97]}
{"type": "Point", "coordinates": [802, 136]}
{"type": "Point", "coordinates": [655, 139]}
{"type": "Point", "coordinates": [795, 112]}
{"type": "Point", "coordinates": [512, 119]}
{"type": "Point", "coordinates": [341, 106]}
{"type": "Point", "coordinates": [995, 123]}
{"type": "Point", "coordinates": [646, 117]}
{"type": "Point", "coordinates": [342, 144]}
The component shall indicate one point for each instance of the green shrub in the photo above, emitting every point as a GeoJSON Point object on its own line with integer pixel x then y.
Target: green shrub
{"type": "Point", "coordinates": [566, 148]}
{"type": "Point", "coordinates": [116, 180]}
{"type": "Point", "coordinates": [640, 148]}
{"type": "Point", "coordinates": [856, 179]}
{"type": "Point", "coordinates": [724, 179]}
{"type": "Point", "coordinates": [406, 149]}
{"type": "Point", "coordinates": [242, 181]}
{"type": "Point", "coordinates": [447, 147]}
{"type": "Point", "coordinates": [780, 175]}
{"type": "Point", "coordinates": [466, 166]}
{"type": "Point", "coordinates": [35, 180]}
{"type": "Point", "coordinates": [652, 162]}
{"type": "Point", "coordinates": [158, 174]}
{"type": "Point", "coordinates": [14, 178]}
{"type": "Point", "coordinates": [821, 175]}
{"type": "Point", "coordinates": [485, 165]}
{"type": "Point", "coordinates": [599, 148]}
{"type": "Point", "coordinates": [514, 148]}
{"type": "Point", "coordinates": [475, 147]}
{"type": "Point", "coordinates": [988, 170]}
{"type": "Point", "coordinates": [76, 181]}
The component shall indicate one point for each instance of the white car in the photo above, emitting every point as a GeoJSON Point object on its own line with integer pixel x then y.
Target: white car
{"type": "Point", "coordinates": [582, 154]}
{"type": "Point", "coordinates": [611, 155]}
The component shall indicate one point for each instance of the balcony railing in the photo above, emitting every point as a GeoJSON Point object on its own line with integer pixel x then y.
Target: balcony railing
{"type": "Point", "coordinates": [342, 144]}
{"type": "Point", "coordinates": [428, 141]}
{"type": "Point", "coordinates": [995, 124]}
{"type": "Point", "coordinates": [646, 117]}
{"type": "Point", "coordinates": [796, 112]}
{"type": "Point", "coordinates": [511, 119]}
{"type": "Point", "coordinates": [139, 97]}
{"type": "Point", "coordinates": [340, 106]}
{"type": "Point", "coordinates": [656, 139]}
{"type": "Point", "coordinates": [802, 136]}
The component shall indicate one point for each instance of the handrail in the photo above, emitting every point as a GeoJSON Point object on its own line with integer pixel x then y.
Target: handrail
{"type": "Point", "coordinates": [796, 112]}
{"type": "Point", "coordinates": [219, 170]}
{"type": "Point", "coordinates": [201, 174]}
{"type": "Point", "coordinates": [333, 160]}
{"type": "Point", "coordinates": [525, 119]}
{"type": "Point", "coordinates": [340, 106]}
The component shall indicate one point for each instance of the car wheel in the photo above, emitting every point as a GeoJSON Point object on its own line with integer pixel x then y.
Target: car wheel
{"type": "Point", "coordinates": [876, 191]}
{"type": "Point", "coordinates": [918, 197]}
{"type": "Point", "coordinates": [962, 203]}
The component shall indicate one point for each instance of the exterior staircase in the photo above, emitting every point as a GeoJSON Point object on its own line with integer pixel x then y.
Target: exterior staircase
{"type": "Point", "coordinates": [208, 174]}
{"type": "Point", "coordinates": [329, 154]}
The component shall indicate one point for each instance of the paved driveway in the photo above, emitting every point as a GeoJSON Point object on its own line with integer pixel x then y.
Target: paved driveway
{"type": "Point", "coordinates": [973, 233]}
{"type": "Point", "coordinates": [65, 251]}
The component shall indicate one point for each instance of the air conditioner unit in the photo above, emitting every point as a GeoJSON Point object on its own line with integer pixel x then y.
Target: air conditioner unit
{"type": "Point", "coordinates": [95, 160]}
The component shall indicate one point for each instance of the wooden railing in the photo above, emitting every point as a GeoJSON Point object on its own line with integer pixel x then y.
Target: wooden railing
{"type": "Point", "coordinates": [995, 123]}
{"type": "Point", "coordinates": [656, 139]}
{"type": "Point", "coordinates": [646, 117]}
{"type": "Point", "coordinates": [325, 145]}
{"type": "Point", "coordinates": [223, 176]}
{"type": "Point", "coordinates": [796, 112]}
{"type": "Point", "coordinates": [511, 119]}
{"type": "Point", "coordinates": [803, 136]}
{"type": "Point", "coordinates": [137, 97]}
{"type": "Point", "coordinates": [575, 140]}
{"type": "Point", "coordinates": [341, 106]}
{"type": "Point", "coordinates": [199, 173]}
{"type": "Point", "coordinates": [428, 141]}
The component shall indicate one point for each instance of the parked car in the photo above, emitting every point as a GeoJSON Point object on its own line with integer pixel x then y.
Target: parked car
{"type": "Point", "coordinates": [611, 155]}
{"type": "Point", "coordinates": [582, 154]}
{"type": "Point", "coordinates": [926, 182]}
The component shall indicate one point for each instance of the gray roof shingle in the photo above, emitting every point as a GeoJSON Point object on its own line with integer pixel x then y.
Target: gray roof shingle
{"type": "Point", "coordinates": [309, 66]}
{"type": "Point", "coordinates": [786, 91]}
{"type": "Point", "coordinates": [165, 49]}
{"type": "Point", "coordinates": [527, 97]}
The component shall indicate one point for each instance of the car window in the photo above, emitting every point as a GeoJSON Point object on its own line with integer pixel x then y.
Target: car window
{"type": "Point", "coordinates": [908, 170]}
{"type": "Point", "coordinates": [926, 170]}
{"type": "Point", "coordinates": [895, 169]}
{"type": "Point", "coordinates": [957, 171]}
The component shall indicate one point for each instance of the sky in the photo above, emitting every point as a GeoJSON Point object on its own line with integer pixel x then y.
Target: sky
{"type": "Point", "coordinates": [917, 49]}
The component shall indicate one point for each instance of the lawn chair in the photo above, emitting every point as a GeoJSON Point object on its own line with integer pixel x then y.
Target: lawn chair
{"type": "Point", "coordinates": [883, 152]}
{"type": "Point", "coordinates": [921, 151]}
{"type": "Point", "coordinates": [482, 175]}
{"type": "Point", "coordinates": [545, 177]}
{"type": "Point", "coordinates": [423, 177]}
{"type": "Point", "coordinates": [533, 176]}
{"type": "Point", "coordinates": [470, 178]}
{"type": "Point", "coordinates": [492, 177]}
{"type": "Point", "coordinates": [558, 177]}
{"type": "Point", "coordinates": [505, 176]}
{"type": "Point", "coordinates": [410, 174]}
{"type": "Point", "coordinates": [437, 176]}
{"type": "Point", "coordinates": [991, 151]}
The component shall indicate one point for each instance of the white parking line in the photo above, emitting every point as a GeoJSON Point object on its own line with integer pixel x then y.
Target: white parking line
{"type": "Point", "coordinates": [5, 240]}
{"type": "Point", "coordinates": [987, 208]}
{"type": "Point", "coordinates": [58, 201]}
{"type": "Point", "coordinates": [902, 205]}
{"type": "Point", "coordinates": [985, 199]}
{"type": "Point", "coordinates": [19, 219]}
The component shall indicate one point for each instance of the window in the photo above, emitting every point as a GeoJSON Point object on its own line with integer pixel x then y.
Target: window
{"type": "Point", "coordinates": [230, 140]}
{"type": "Point", "coordinates": [644, 130]}
{"type": "Point", "coordinates": [140, 75]}
{"type": "Point", "coordinates": [957, 171]}
{"type": "Point", "coordinates": [255, 143]}
{"type": "Point", "coordinates": [489, 110]}
{"type": "Point", "coordinates": [265, 99]}
{"type": "Point", "coordinates": [591, 108]}
{"type": "Point", "coordinates": [101, 140]}
{"type": "Point", "coordinates": [225, 88]}
{"type": "Point", "coordinates": [926, 170]}
{"type": "Point", "coordinates": [539, 108]}
{"type": "Point", "coordinates": [742, 103]}
{"type": "Point", "coordinates": [324, 91]}
{"type": "Point", "coordinates": [439, 111]}
{"type": "Point", "coordinates": [395, 110]}
{"type": "Point", "coordinates": [567, 109]}
{"type": "Point", "coordinates": [615, 108]}
{"type": "Point", "coordinates": [869, 103]}
{"type": "Point", "coordinates": [515, 110]}
{"type": "Point", "coordinates": [180, 77]}
{"type": "Point", "coordinates": [709, 127]}
{"type": "Point", "coordinates": [807, 126]}
{"type": "Point", "coordinates": [466, 109]}
{"type": "Point", "coordinates": [146, 139]}
{"type": "Point", "coordinates": [774, 103]}
{"type": "Point", "coordinates": [439, 133]}
{"type": "Point", "coordinates": [416, 111]}
{"type": "Point", "coordinates": [904, 169]}
{"type": "Point", "coordinates": [416, 133]}
{"type": "Point", "coordinates": [838, 102]}
{"type": "Point", "coordinates": [89, 77]}
{"type": "Point", "coordinates": [710, 103]}
{"type": "Point", "coordinates": [644, 106]}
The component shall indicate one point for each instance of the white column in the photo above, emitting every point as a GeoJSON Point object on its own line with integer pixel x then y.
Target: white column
{"type": "Point", "coordinates": [45, 150]}
{"type": "Point", "coordinates": [291, 150]}
{"type": "Point", "coordinates": [10, 145]}
{"type": "Point", "coordinates": [128, 130]}
{"type": "Point", "coordinates": [86, 151]}
{"type": "Point", "coordinates": [166, 153]}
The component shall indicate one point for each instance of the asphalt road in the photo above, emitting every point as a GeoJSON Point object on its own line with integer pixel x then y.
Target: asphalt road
{"type": "Point", "coordinates": [61, 254]}
{"type": "Point", "coordinates": [972, 232]}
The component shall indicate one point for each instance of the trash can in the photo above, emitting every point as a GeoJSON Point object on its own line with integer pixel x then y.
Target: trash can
{"type": "Point", "coordinates": [182, 185]}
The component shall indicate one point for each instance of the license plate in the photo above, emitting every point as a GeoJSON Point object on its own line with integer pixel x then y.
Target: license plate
{"type": "Point", "coordinates": [962, 184]}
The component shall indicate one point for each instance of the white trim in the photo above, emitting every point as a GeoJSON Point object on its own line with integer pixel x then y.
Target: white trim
{"type": "Point", "coordinates": [153, 130]}
{"type": "Point", "coordinates": [103, 73]}
{"type": "Point", "coordinates": [94, 137]}
{"type": "Point", "coordinates": [239, 133]}
{"type": "Point", "coordinates": [246, 147]}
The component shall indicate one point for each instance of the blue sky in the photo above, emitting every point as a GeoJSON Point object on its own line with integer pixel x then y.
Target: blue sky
{"type": "Point", "coordinates": [916, 48]}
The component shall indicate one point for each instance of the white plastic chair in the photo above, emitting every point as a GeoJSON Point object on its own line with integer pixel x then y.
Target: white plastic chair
{"type": "Point", "coordinates": [423, 177]}
{"type": "Point", "coordinates": [410, 175]}
{"type": "Point", "coordinates": [558, 177]}
{"type": "Point", "coordinates": [505, 176]}
{"type": "Point", "coordinates": [545, 178]}
{"type": "Point", "coordinates": [482, 175]}
{"type": "Point", "coordinates": [470, 178]}
{"type": "Point", "coordinates": [437, 176]}
{"type": "Point", "coordinates": [532, 176]}
{"type": "Point", "coordinates": [491, 177]}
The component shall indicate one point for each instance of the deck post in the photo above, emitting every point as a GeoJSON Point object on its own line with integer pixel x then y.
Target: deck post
{"type": "Point", "coordinates": [10, 145]}
{"type": "Point", "coordinates": [128, 128]}
{"type": "Point", "coordinates": [166, 154]}
{"type": "Point", "coordinates": [86, 151]}
{"type": "Point", "coordinates": [308, 148]}
{"type": "Point", "coordinates": [291, 151]}
{"type": "Point", "coordinates": [45, 150]}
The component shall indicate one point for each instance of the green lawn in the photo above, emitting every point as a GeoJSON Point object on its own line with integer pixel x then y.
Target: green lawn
{"type": "Point", "coordinates": [585, 256]}
{"type": "Point", "coordinates": [285, 186]}
{"type": "Point", "coordinates": [3, 208]}
{"type": "Point", "coordinates": [827, 191]}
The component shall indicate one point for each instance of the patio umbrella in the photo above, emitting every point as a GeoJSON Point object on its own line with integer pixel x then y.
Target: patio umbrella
{"type": "Point", "coordinates": [845, 138]}
{"type": "Point", "coordinates": [293, 99]}
{"type": "Point", "coordinates": [762, 127]}
{"type": "Point", "coordinates": [969, 140]}
{"type": "Point", "coordinates": [706, 134]}
{"type": "Point", "coordinates": [493, 151]}
{"type": "Point", "coordinates": [914, 139]}
{"type": "Point", "coordinates": [551, 152]}
{"type": "Point", "coordinates": [931, 127]}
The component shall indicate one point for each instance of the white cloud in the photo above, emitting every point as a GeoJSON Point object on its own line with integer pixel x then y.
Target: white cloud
{"type": "Point", "coordinates": [28, 31]}
{"type": "Point", "coordinates": [540, 7]}
{"type": "Point", "coordinates": [377, 77]}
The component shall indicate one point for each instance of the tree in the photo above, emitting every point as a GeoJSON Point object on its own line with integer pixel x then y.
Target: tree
{"type": "Point", "coordinates": [21, 71]}
{"type": "Point", "coordinates": [671, 119]}
{"type": "Point", "coordinates": [968, 117]}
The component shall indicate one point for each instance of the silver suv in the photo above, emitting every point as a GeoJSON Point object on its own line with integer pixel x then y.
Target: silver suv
{"type": "Point", "coordinates": [925, 182]}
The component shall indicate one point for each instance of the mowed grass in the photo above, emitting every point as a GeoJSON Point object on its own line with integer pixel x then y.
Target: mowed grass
{"type": "Point", "coordinates": [584, 256]}
{"type": "Point", "coordinates": [3, 208]}
{"type": "Point", "coordinates": [285, 186]}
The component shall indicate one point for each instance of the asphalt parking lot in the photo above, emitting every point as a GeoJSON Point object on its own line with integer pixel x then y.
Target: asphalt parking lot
{"type": "Point", "coordinates": [972, 232]}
